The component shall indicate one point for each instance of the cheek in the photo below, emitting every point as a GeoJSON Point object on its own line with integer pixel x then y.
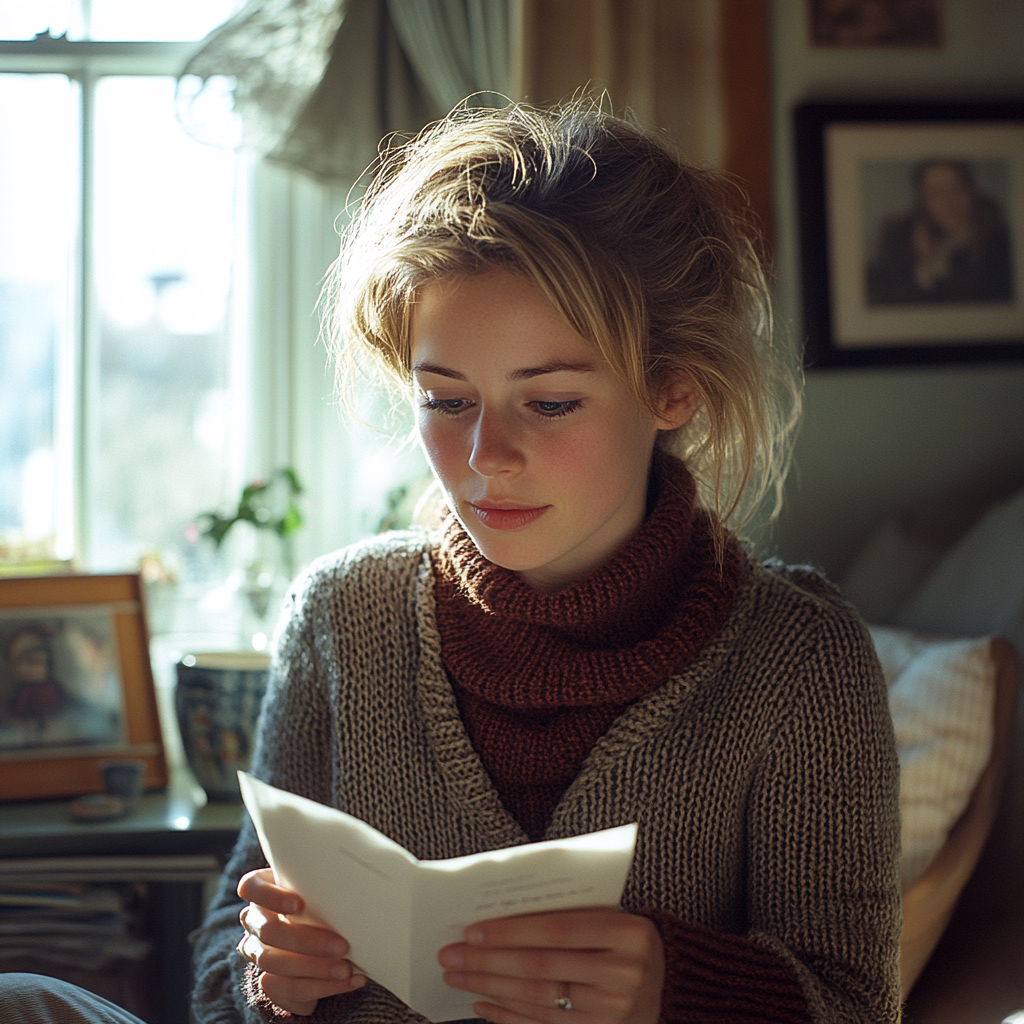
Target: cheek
{"type": "Point", "coordinates": [578, 455]}
{"type": "Point", "coordinates": [620, 446]}
{"type": "Point", "coordinates": [441, 445]}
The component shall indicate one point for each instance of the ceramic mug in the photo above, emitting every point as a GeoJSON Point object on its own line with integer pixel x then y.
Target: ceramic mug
{"type": "Point", "coordinates": [218, 700]}
{"type": "Point", "coordinates": [123, 777]}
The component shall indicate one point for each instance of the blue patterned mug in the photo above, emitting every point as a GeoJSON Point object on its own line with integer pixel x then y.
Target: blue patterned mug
{"type": "Point", "coordinates": [218, 700]}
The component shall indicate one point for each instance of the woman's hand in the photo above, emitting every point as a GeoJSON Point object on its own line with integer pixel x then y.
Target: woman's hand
{"type": "Point", "coordinates": [300, 962]}
{"type": "Point", "coordinates": [608, 964]}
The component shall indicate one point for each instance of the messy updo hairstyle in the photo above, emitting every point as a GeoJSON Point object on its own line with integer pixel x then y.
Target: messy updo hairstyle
{"type": "Point", "coordinates": [651, 260]}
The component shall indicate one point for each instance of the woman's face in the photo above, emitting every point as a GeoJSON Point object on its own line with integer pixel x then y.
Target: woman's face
{"type": "Point", "coordinates": [31, 663]}
{"type": "Point", "coordinates": [947, 199]}
{"type": "Point", "coordinates": [542, 452]}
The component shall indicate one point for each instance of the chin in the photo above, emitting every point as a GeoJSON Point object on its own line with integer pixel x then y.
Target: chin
{"type": "Point", "coordinates": [499, 554]}
{"type": "Point", "coordinates": [510, 554]}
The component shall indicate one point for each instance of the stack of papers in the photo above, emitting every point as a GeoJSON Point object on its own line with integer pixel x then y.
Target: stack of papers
{"type": "Point", "coordinates": [67, 925]}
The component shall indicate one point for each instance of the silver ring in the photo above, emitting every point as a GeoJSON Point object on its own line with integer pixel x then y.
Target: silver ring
{"type": "Point", "coordinates": [563, 1002]}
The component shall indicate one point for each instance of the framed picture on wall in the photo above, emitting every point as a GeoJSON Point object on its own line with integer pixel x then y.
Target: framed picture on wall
{"type": "Point", "coordinates": [912, 231]}
{"type": "Point", "coordinates": [874, 24]}
{"type": "Point", "coordinates": [76, 686]}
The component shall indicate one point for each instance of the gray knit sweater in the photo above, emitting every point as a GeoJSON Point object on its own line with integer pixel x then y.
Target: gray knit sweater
{"type": "Point", "coordinates": [763, 776]}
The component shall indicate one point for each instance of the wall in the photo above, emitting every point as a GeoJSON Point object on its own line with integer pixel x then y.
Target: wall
{"type": "Point", "coordinates": [931, 444]}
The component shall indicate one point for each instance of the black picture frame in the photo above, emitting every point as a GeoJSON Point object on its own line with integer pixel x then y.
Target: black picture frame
{"type": "Point", "coordinates": [862, 169]}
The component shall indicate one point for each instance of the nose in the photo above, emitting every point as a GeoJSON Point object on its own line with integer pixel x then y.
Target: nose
{"type": "Point", "coordinates": [496, 449]}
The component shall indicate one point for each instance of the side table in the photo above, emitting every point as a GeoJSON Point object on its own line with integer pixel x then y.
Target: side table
{"type": "Point", "coordinates": [172, 842]}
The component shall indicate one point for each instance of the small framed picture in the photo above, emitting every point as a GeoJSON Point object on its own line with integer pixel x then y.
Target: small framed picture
{"type": "Point", "coordinates": [912, 231]}
{"type": "Point", "coordinates": [76, 686]}
{"type": "Point", "coordinates": [875, 24]}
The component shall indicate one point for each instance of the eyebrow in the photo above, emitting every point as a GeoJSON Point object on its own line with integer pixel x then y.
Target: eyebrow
{"type": "Point", "coordinates": [526, 373]}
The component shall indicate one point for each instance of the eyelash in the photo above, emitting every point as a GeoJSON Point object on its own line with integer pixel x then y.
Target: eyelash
{"type": "Point", "coordinates": [444, 407]}
{"type": "Point", "coordinates": [563, 408]}
{"type": "Point", "coordinates": [441, 405]}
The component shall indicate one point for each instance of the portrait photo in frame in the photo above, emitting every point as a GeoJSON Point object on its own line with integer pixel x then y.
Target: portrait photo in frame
{"type": "Point", "coordinates": [76, 685]}
{"type": "Point", "coordinates": [912, 231]}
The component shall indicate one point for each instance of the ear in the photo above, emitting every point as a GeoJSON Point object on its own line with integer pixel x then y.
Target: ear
{"type": "Point", "coordinates": [678, 401]}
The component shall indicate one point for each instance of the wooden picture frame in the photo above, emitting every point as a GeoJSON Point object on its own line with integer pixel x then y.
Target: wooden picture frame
{"type": "Point", "coordinates": [884, 281]}
{"type": "Point", "coordinates": [76, 685]}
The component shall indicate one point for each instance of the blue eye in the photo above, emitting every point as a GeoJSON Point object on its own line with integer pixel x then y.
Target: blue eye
{"type": "Point", "coordinates": [445, 406]}
{"type": "Point", "coordinates": [551, 410]}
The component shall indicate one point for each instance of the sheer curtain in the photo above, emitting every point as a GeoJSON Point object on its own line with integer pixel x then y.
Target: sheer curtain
{"type": "Point", "coordinates": [318, 83]}
{"type": "Point", "coordinates": [313, 86]}
{"type": "Point", "coordinates": [457, 48]}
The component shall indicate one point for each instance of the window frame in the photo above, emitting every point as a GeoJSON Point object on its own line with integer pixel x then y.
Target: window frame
{"type": "Point", "coordinates": [77, 374]}
{"type": "Point", "coordinates": [287, 228]}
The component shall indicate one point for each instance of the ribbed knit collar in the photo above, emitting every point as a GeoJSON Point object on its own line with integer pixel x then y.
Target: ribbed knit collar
{"type": "Point", "coordinates": [611, 637]}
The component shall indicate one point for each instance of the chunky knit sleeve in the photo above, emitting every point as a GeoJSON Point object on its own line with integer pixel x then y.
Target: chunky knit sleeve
{"type": "Point", "coordinates": [823, 815]}
{"type": "Point", "coordinates": [724, 979]}
{"type": "Point", "coordinates": [348, 602]}
{"type": "Point", "coordinates": [292, 752]}
{"type": "Point", "coordinates": [817, 937]}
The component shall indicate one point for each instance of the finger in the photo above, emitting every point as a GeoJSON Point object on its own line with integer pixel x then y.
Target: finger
{"type": "Point", "coordinates": [273, 930]}
{"type": "Point", "coordinates": [597, 928]}
{"type": "Point", "coordinates": [525, 1013]}
{"type": "Point", "coordinates": [548, 968]}
{"type": "Point", "coordinates": [259, 887]}
{"type": "Point", "coordinates": [522, 994]}
{"type": "Point", "coordinates": [293, 965]}
{"type": "Point", "coordinates": [300, 995]}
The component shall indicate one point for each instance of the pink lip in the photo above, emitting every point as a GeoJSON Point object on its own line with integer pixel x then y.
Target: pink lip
{"type": "Point", "coordinates": [506, 515]}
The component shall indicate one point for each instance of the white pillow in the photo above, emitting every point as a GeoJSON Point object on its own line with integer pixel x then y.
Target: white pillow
{"type": "Point", "coordinates": [941, 696]}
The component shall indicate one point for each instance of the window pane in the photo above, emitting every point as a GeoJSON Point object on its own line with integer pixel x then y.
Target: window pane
{"type": "Point", "coordinates": [178, 19]}
{"type": "Point", "coordinates": [168, 415]}
{"type": "Point", "coordinates": [114, 19]}
{"type": "Point", "coordinates": [24, 19]}
{"type": "Point", "coordinates": [38, 202]}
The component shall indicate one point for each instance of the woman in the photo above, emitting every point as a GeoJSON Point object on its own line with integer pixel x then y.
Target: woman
{"type": "Point", "coordinates": [581, 324]}
{"type": "Point", "coordinates": [954, 246]}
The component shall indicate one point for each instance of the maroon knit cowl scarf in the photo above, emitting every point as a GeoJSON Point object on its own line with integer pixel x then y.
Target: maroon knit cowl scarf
{"type": "Point", "coordinates": [539, 677]}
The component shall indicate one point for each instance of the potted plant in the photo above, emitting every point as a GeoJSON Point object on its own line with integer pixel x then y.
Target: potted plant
{"type": "Point", "coordinates": [269, 506]}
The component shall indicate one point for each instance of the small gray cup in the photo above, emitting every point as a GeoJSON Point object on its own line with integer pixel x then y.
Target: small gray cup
{"type": "Point", "coordinates": [123, 778]}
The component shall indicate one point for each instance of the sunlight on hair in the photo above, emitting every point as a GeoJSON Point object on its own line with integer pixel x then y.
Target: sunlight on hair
{"type": "Point", "coordinates": [652, 260]}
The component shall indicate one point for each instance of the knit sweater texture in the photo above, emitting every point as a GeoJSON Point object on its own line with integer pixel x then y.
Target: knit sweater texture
{"type": "Point", "coordinates": [762, 774]}
{"type": "Point", "coordinates": [582, 654]}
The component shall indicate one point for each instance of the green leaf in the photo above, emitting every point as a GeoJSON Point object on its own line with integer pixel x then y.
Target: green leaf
{"type": "Point", "coordinates": [290, 522]}
{"type": "Point", "coordinates": [252, 509]}
{"type": "Point", "coordinates": [293, 480]}
{"type": "Point", "coordinates": [216, 528]}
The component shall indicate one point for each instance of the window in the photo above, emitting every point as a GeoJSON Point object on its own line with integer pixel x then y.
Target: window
{"type": "Point", "coordinates": [38, 218]}
{"type": "Point", "coordinates": [123, 373]}
{"type": "Point", "coordinates": [158, 341]}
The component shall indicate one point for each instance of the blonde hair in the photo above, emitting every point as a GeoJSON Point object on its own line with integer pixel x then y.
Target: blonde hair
{"type": "Point", "coordinates": [650, 259]}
